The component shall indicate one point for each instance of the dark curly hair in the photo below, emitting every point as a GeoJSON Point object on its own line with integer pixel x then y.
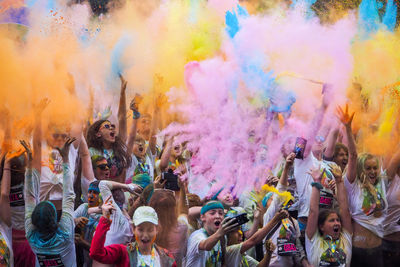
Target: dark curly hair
{"type": "Point", "coordinates": [119, 147]}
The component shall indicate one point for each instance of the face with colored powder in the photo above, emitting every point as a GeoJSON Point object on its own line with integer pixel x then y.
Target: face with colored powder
{"type": "Point", "coordinates": [144, 125]}
{"type": "Point", "coordinates": [93, 198]}
{"type": "Point", "coordinates": [102, 170]}
{"type": "Point", "coordinates": [107, 132]}
{"type": "Point", "coordinates": [176, 151]}
{"type": "Point", "coordinates": [212, 220]}
{"type": "Point", "coordinates": [371, 170]}
{"type": "Point", "coordinates": [139, 148]}
{"type": "Point", "coordinates": [332, 226]}
{"type": "Point", "coordinates": [145, 235]}
{"type": "Point", "coordinates": [226, 199]}
{"type": "Point", "coordinates": [56, 137]}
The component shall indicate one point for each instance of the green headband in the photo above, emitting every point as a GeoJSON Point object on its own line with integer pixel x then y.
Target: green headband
{"type": "Point", "coordinates": [211, 206]}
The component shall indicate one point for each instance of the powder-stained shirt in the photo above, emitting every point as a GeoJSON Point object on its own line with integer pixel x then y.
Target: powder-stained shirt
{"type": "Point", "coordinates": [60, 248]}
{"type": "Point", "coordinates": [363, 208]}
{"type": "Point", "coordinates": [322, 252]}
{"type": "Point", "coordinates": [51, 180]}
{"type": "Point", "coordinates": [281, 234]}
{"type": "Point", "coordinates": [202, 258]}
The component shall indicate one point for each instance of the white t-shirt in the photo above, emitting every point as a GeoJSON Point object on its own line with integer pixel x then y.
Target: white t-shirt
{"type": "Point", "coordinates": [304, 180]}
{"type": "Point", "coordinates": [319, 252]}
{"type": "Point", "coordinates": [137, 168]}
{"type": "Point", "coordinates": [285, 237]}
{"type": "Point", "coordinates": [362, 208]}
{"type": "Point", "coordinates": [200, 258]}
{"type": "Point", "coordinates": [51, 173]}
{"type": "Point", "coordinates": [235, 258]}
{"type": "Point", "coordinates": [146, 259]}
{"type": "Point", "coordinates": [120, 229]}
{"type": "Point", "coordinates": [390, 224]}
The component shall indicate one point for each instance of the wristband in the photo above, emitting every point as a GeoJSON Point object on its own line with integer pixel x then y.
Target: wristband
{"type": "Point", "coordinates": [136, 114]}
{"type": "Point", "coordinates": [317, 185]}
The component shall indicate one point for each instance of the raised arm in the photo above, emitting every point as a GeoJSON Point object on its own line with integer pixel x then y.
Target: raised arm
{"type": "Point", "coordinates": [122, 111]}
{"type": "Point", "coordinates": [285, 173]}
{"type": "Point", "coordinates": [312, 221]}
{"type": "Point", "coordinates": [347, 119]}
{"type": "Point", "coordinates": [166, 155]}
{"type": "Point", "coordinates": [227, 225]}
{"type": "Point", "coordinates": [262, 233]}
{"type": "Point", "coordinates": [31, 189]}
{"type": "Point", "coordinates": [68, 190]}
{"type": "Point", "coordinates": [111, 254]}
{"type": "Point", "coordinates": [134, 106]}
{"type": "Point", "coordinates": [5, 211]}
{"type": "Point", "coordinates": [87, 168]}
{"type": "Point", "coordinates": [345, 215]}
{"type": "Point", "coordinates": [330, 149]}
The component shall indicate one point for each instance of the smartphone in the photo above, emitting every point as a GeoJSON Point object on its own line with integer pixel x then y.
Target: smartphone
{"type": "Point", "coordinates": [299, 147]}
{"type": "Point", "coordinates": [171, 181]}
{"type": "Point", "coordinates": [241, 218]}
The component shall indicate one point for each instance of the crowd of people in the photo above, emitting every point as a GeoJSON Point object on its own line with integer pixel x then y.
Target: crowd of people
{"type": "Point", "coordinates": [102, 195]}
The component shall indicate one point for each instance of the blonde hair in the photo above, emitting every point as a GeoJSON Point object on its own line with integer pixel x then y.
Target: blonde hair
{"type": "Point", "coordinates": [362, 177]}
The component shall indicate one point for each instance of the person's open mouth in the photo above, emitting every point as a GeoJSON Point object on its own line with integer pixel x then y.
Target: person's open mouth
{"type": "Point", "coordinates": [112, 134]}
{"type": "Point", "coordinates": [217, 223]}
{"type": "Point", "coordinates": [336, 228]}
{"type": "Point", "coordinates": [141, 149]}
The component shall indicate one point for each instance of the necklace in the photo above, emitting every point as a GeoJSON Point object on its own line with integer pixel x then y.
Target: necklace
{"type": "Point", "coordinates": [140, 257]}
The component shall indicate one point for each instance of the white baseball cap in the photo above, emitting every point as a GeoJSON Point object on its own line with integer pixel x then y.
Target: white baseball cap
{"type": "Point", "coordinates": [145, 214]}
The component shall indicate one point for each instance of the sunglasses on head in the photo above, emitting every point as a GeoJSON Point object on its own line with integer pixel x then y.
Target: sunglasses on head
{"type": "Point", "coordinates": [109, 126]}
{"type": "Point", "coordinates": [103, 167]}
{"type": "Point", "coordinates": [57, 135]}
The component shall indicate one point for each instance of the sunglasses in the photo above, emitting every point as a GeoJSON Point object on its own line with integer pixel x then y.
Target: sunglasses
{"type": "Point", "coordinates": [57, 135]}
{"type": "Point", "coordinates": [103, 167]}
{"type": "Point", "coordinates": [109, 126]}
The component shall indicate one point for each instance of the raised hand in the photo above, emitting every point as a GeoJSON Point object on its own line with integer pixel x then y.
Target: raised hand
{"type": "Point", "coordinates": [161, 100]}
{"type": "Point", "coordinates": [227, 225]}
{"type": "Point", "coordinates": [344, 116]}
{"type": "Point", "coordinates": [41, 106]}
{"type": "Point", "coordinates": [337, 172]}
{"type": "Point", "coordinates": [64, 151]}
{"type": "Point", "coordinates": [123, 82]}
{"type": "Point", "coordinates": [107, 208]}
{"type": "Point", "coordinates": [158, 184]}
{"type": "Point", "coordinates": [316, 174]}
{"type": "Point", "coordinates": [28, 149]}
{"type": "Point", "coordinates": [280, 215]}
{"type": "Point", "coordinates": [135, 189]}
{"type": "Point", "coordinates": [290, 158]}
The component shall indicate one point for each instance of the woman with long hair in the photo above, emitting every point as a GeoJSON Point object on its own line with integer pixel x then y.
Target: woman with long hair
{"type": "Point", "coordinates": [174, 232]}
{"type": "Point", "coordinates": [329, 232]}
{"type": "Point", "coordinates": [366, 186]}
